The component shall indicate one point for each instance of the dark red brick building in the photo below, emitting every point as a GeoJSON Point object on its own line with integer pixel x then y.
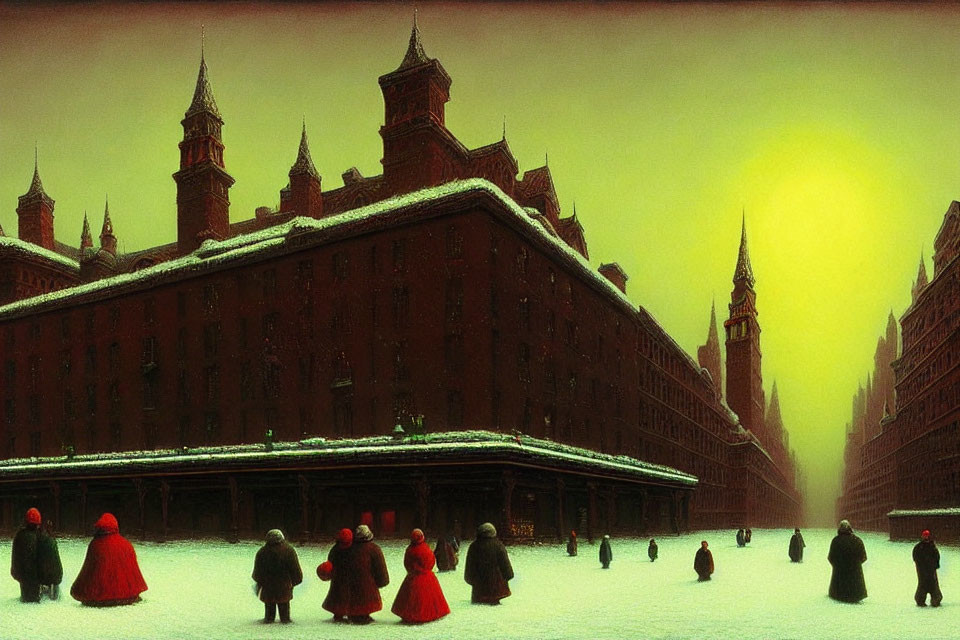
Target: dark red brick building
{"type": "Point", "coordinates": [445, 290]}
{"type": "Point", "coordinates": [903, 448]}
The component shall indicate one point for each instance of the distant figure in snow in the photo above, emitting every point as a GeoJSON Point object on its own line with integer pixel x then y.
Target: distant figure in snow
{"type": "Point", "coordinates": [366, 573]}
{"type": "Point", "coordinates": [847, 555]}
{"type": "Point", "coordinates": [24, 557]}
{"type": "Point", "coordinates": [488, 567]}
{"type": "Point", "coordinates": [49, 566]}
{"type": "Point", "coordinates": [741, 538]}
{"type": "Point", "coordinates": [703, 562]}
{"type": "Point", "coordinates": [746, 536]}
{"type": "Point", "coordinates": [420, 598]}
{"type": "Point", "coordinates": [796, 546]}
{"type": "Point", "coordinates": [572, 544]}
{"type": "Point", "coordinates": [652, 550]}
{"type": "Point", "coordinates": [446, 555]}
{"type": "Point", "coordinates": [337, 601]}
{"type": "Point", "coordinates": [276, 570]}
{"type": "Point", "coordinates": [927, 558]}
{"type": "Point", "coordinates": [110, 575]}
{"type": "Point", "coordinates": [606, 553]}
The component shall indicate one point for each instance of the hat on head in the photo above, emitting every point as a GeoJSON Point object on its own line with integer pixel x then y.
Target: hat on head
{"type": "Point", "coordinates": [363, 533]}
{"type": "Point", "coordinates": [33, 516]}
{"type": "Point", "coordinates": [925, 533]}
{"type": "Point", "coordinates": [345, 537]}
{"type": "Point", "coordinates": [487, 530]}
{"type": "Point", "coordinates": [275, 536]}
{"type": "Point", "coordinates": [845, 526]}
{"type": "Point", "coordinates": [606, 537]}
{"type": "Point", "coordinates": [416, 536]}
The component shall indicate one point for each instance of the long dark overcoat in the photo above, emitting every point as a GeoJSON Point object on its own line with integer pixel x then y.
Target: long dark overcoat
{"type": "Point", "coordinates": [847, 554]}
{"type": "Point", "coordinates": [337, 601]}
{"type": "Point", "coordinates": [276, 570]}
{"type": "Point", "coordinates": [606, 553]}
{"type": "Point", "coordinates": [652, 551]}
{"type": "Point", "coordinates": [49, 567]}
{"type": "Point", "coordinates": [796, 547]}
{"type": "Point", "coordinates": [23, 557]}
{"type": "Point", "coordinates": [365, 571]}
{"type": "Point", "coordinates": [703, 564]}
{"type": "Point", "coordinates": [488, 570]}
{"type": "Point", "coordinates": [927, 558]}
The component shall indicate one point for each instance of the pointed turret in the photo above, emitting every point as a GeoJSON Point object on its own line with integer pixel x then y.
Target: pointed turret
{"type": "Point", "coordinates": [743, 272]}
{"type": "Point", "coordinates": [305, 195]}
{"type": "Point", "coordinates": [203, 95]}
{"type": "Point", "coordinates": [108, 241]}
{"type": "Point", "coordinates": [921, 278]}
{"type": "Point", "coordinates": [86, 240]}
{"type": "Point", "coordinates": [774, 418]}
{"type": "Point", "coordinates": [35, 212]}
{"type": "Point", "coordinates": [708, 354]}
{"type": "Point", "coordinates": [203, 184]}
{"type": "Point", "coordinates": [304, 163]}
{"type": "Point", "coordinates": [415, 54]}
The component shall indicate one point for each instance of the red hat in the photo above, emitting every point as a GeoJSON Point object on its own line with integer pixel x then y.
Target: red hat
{"type": "Point", "coordinates": [33, 516]}
{"type": "Point", "coordinates": [107, 524]}
{"type": "Point", "coordinates": [345, 537]}
{"type": "Point", "coordinates": [325, 570]}
{"type": "Point", "coordinates": [925, 533]}
{"type": "Point", "coordinates": [416, 536]}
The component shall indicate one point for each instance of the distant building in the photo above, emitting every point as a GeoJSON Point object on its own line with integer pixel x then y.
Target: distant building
{"type": "Point", "coordinates": [255, 373]}
{"type": "Point", "coordinates": [902, 457]}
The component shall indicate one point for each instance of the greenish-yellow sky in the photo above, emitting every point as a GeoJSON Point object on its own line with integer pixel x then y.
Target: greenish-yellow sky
{"type": "Point", "coordinates": [834, 127]}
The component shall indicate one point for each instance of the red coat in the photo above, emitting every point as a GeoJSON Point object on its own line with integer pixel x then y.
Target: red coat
{"type": "Point", "coordinates": [420, 598]}
{"type": "Point", "coordinates": [365, 573]}
{"type": "Point", "coordinates": [110, 574]}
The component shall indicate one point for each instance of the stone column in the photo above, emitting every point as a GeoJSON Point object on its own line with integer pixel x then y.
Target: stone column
{"type": "Point", "coordinates": [304, 507]}
{"type": "Point", "coordinates": [643, 511]}
{"type": "Point", "coordinates": [611, 509]}
{"type": "Point", "coordinates": [164, 507]}
{"type": "Point", "coordinates": [591, 509]}
{"type": "Point", "coordinates": [561, 495]}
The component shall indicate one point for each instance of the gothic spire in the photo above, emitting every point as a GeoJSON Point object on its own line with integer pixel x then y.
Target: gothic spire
{"type": "Point", "coordinates": [86, 240]}
{"type": "Point", "coordinates": [304, 163]}
{"type": "Point", "coordinates": [415, 54]}
{"type": "Point", "coordinates": [108, 241]}
{"type": "Point", "coordinates": [203, 94]}
{"type": "Point", "coordinates": [744, 272]}
{"type": "Point", "coordinates": [773, 412]}
{"type": "Point", "coordinates": [712, 331]}
{"type": "Point", "coordinates": [36, 187]}
{"type": "Point", "coordinates": [922, 273]}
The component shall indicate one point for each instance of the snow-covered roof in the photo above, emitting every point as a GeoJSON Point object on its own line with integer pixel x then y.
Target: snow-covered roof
{"type": "Point", "coordinates": [36, 250]}
{"type": "Point", "coordinates": [903, 513]}
{"type": "Point", "coordinates": [450, 445]}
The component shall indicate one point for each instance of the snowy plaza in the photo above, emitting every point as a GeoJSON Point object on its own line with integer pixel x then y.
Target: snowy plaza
{"type": "Point", "coordinates": [204, 590]}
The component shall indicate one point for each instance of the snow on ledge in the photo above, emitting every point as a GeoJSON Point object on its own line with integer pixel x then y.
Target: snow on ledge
{"type": "Point", "coordinates": [905, 513]}
{"type": "Point", "coordinates": [451, 442]}
{"type": "Point", "coordinates": [36, 250]}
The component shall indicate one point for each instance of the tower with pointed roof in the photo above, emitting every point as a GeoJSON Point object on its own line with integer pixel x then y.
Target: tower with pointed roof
{"type": "Point", "coordinates": [774, 420]}
{"type": "Point", "coordinates": [921, 279]}
{"type": "Point", "coordinates": [108, 241]}
{"type": "Point", "coordinates": [35, 213]}
{"type": "Point", "coordinates": [416, 144]}
{"type": "Point", "coordinates": [708, 354]}
{"type": "Point", "coordinates": [203, 202]}
{"type": "Point", "coordinates": [306, 197]}
{"type": "Point", "coordinates": [86, 239]}
{"type": "Point", "coordinates": [744, 379]}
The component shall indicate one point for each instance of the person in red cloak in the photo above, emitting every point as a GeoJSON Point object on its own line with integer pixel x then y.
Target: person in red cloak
{"type": "Point", "coordinates": [337, 601]}
{"type": "Point", "coordinates": [420, 598]}
{"type": "Point", "coordinates": [110, 574]}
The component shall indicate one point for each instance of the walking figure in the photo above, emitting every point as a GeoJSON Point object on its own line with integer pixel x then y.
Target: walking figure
{"type": "Point", "coordinates": [927, 558]}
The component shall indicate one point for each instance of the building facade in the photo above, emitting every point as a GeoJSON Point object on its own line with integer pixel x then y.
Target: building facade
{"type": "Point", "coordinates": [903, 445]}
{"type": "Point", "coordinates": [444, 294]}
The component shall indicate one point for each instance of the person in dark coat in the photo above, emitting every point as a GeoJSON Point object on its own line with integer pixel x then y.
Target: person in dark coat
{"type": "Point", "coordinates": [796, 546]}
{"type": "Point", "coordinates": [366, 573]}
{"type": "Point", "coordinates": [606, 553]}
{"type": "Point", "coordinates": [847, 555]}
{"type": "Point", "coordinates": [746, 536]}
{"type": "Point", "coordinates": [488, 567]}
{"type": "Point", "coordinates": [652, 550]}
{"type": "Point", "coordinates": [110, 575]}
{"type": "Point", "coordinates": [276, 570]}
{"type": "Point", "coordinates": [445, 555]}
{"type": "Point", "coordinates": [420, 598]}
{"type": "Point", "coordinates": [927, 558]}
{"type": "Point", "coordinates": [49, 567]}
{"type": "Point", "coordinates": [337, 601]}
{"type": "Point", "coordinates": [24, 557]}
{"type": "Point", "coordinates": [572, 544]}
{"type": "Point", "coordinates": [703, 562]}
{"type": "Point", "coordinates": [741, 538]}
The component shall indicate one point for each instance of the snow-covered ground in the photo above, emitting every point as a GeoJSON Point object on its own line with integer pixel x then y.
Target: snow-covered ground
{"type": "Point", "coordinates": [204, 590]}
